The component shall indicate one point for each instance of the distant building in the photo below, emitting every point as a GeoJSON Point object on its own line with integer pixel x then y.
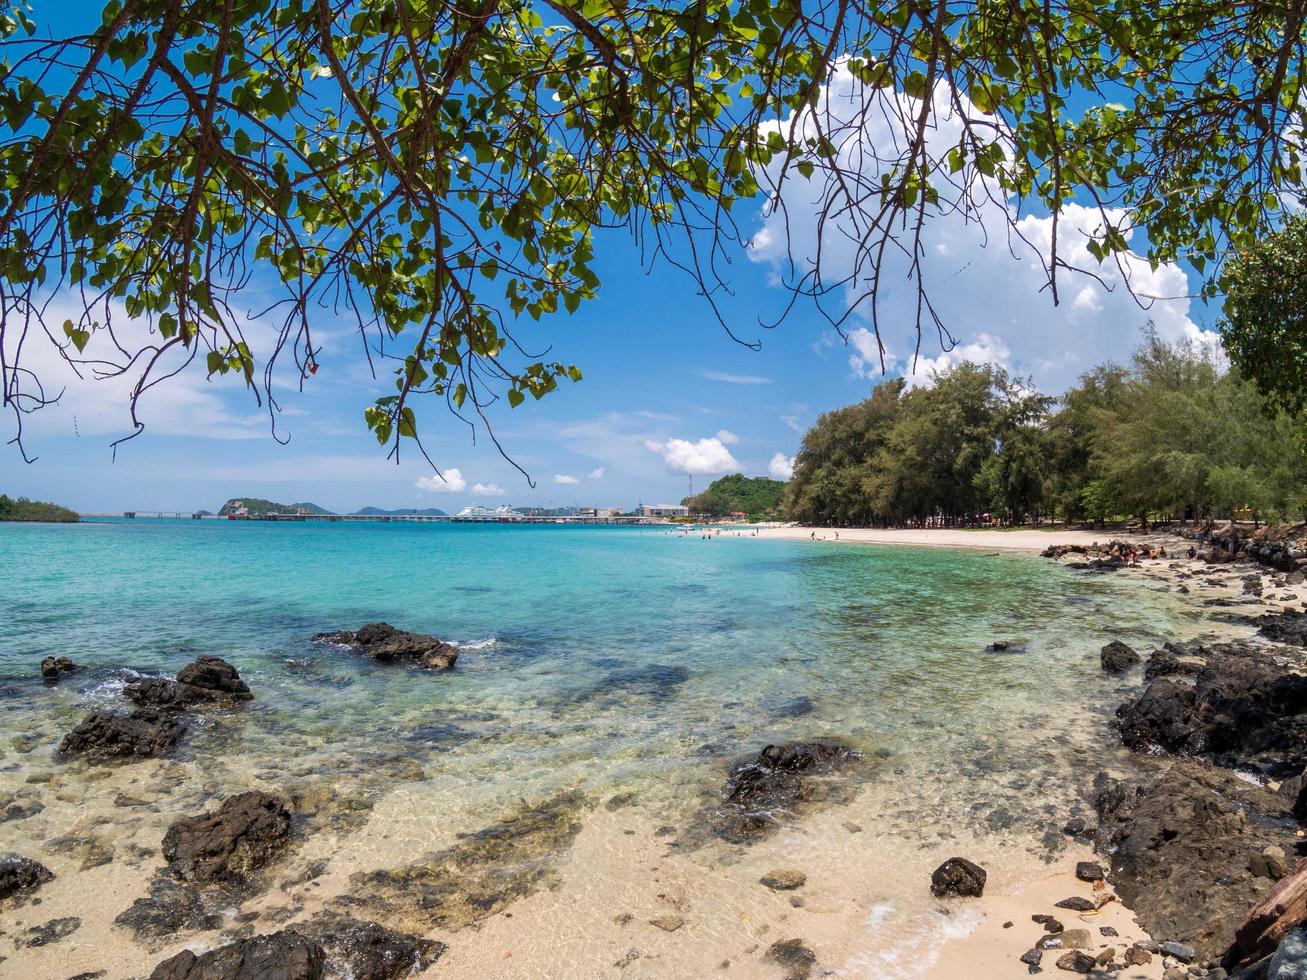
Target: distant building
{"type": "Point", "coordinates": [599, 512]}
{"type": "Point", "coordinates": [664, 510]}
{"type": "Point", "coordinates": [503, 511]}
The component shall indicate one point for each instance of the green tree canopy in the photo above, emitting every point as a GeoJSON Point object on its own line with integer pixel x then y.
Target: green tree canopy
{"type": "Point", "coordinates": [756, 496]}
{"type": "Point", "coordinates": [437, 172]}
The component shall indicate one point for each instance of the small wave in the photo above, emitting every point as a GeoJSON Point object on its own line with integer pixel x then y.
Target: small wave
{"type": "Point", "coordinates": [912, 956]}
{"type": "Point", "coordinates": [110, 690]}
{"type": "Point", "coordinates": [489, 643]}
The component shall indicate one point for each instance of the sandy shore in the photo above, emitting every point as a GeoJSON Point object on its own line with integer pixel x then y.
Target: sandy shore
{"type": "Point", "coordinates": [985, 539]}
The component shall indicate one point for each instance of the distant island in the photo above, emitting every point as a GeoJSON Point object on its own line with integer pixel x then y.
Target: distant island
{"type": "Point", "coordinates": [22, 509]}
{"type": "Point", "coordinates": [403, 512]}
{"type": "Point", "coordinates": [755, 496]}
{"type": "Point", "coordinates": [257, 507]}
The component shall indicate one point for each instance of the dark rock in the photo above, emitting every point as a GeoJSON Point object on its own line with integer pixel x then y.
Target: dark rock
{"type": "Point", "coordinates": [1166, 662]}
{"type": "Point", "coordinates": [368, 951]}
{"type": "Point", "coordinates": [20, 874]}
{"type": "Point", "coordinates": [1076, 961]}
{"type": "Point", "coordinates": [208, 680]}
{"type": "Point", "coordinates": [958, 876]}
{"type": "Point", "coordinates": [1290, 959]}
{"type": "Point", "coordinates": [1286, 627]}
{"type": "Point", "coordinates": [386, 645]}
{"type": "Point", "coordinates": [228, 844]}
{"type": "Point", "coordinates": [53, 668]}
{"type": "Point", "coordinates": [169, 908]}
{"type": "Point", "coordinates": [104, 735]}
{"type": "Point", "coordinates": [1179, 847]}
{"type": "Point", "coordinates": [1076, 903]}
{"type": "Point", "coordinates": [1074, 827]}
{"type": "Point", "coordinates": [794, 956]}
{"type": "Point", "coordinates": [1108, 932]}
{"type": "Point", "coordinates": [1244, 709]}
{"type": "Point", "coordinates": [1137, 956]}
{"type": "Point", "coordinates": [1117, 658]}
{"type": "Point", "coordinates": [1031, 957]}
{"type": "Point", "coordinates": [1089, 871]}
{"type": "Point", "coordinates": [779, 780]}
{"type": "Point", "coordinates": [51, 932]}
{"type": "Point", "coordinates": [783, 880]}
{"type": "Point", "coordinates": [282, 955]}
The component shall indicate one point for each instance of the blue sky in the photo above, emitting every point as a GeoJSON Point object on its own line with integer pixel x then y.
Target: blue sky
{"type": "Point", "coordinates": [667, 395]}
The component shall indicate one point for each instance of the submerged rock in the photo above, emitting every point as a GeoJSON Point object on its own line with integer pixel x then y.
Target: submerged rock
{"type": "Point", "coordinates": [475, 878]}
{"type": "Point", "coordinates": [208, 680]}
{"type": "Point", "coordinates": [960, 877]}
{"type": "Point", "coordinates": [1179, 846]}
{"type": "Point", "coordinates": [228, 844]}
{"type": "Point", "coordinates": [368, 951]}
{"type": "Point", "coordinates": [783, 880]}
{"type": "Point", "coordinates": [53, 668]}
{"type": "Point", "coordinates": [1286, 627]}
{"type": "Point", "coordinates": [51, 932]}
{"type": "Point", "coordinates": [105, 735]}
{"type": "Point", "coordinates": [780, 779]}
{"type": "Point", "coordinates": [169, 908]}
{"type": "Point", "coordinates": [797, 959]}
{"type": "Point", "coordinates": [284, 955]}
{"type": "Point", "coordinates": [1117, 657]}
{"type": "Point", "coordinates": [385, 644]}
{"type": "Point", "coordinates": [20, 874]}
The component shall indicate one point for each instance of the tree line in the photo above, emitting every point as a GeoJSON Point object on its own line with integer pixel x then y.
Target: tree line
{"type": "Point", "coordinates": [1171, 435]}
{"type": "Point", "coordinates": [22, 509]}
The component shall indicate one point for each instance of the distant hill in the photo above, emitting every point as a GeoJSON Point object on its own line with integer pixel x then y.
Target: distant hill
{"type": "Point", "coordinates": [22, 509]}
{"type": "Point", "coordinates": [403, 512]}
{"type": "Point", "coordinates": [756, 496]}
{"type": "Point", "coordinates": [257, 507]}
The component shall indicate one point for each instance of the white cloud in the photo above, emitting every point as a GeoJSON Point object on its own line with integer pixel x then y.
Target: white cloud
{"type": "Point", "coordinates": [732, 379]}
{"type": "Point", "coordinates": [792, 421]}
{"type": "Point", "coordinates": [988, 285]}
{"type": "Point", "coordinates": [487, 489]}
{"type": "Point", "coordinates": [700, 458]}
{"type": "Point", "coordinates": [728, 438]}
{"type": "Point", "coordinates": [450, 481]}
{"type": "Point", "coordinates": [985, 349]}
{"type": "Point", "coordinates": [597, 473]}
{"type": "Point", "coordinates": [781, 466]}
{"type": "Point", "coordinates": [565, 480]}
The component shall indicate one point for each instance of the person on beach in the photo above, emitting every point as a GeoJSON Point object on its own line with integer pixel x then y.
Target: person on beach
{"type": "Point", "coordinates": [1192, 553]}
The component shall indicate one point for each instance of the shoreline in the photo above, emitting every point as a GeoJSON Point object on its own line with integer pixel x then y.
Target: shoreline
{"type": "Point", "coordinates": [1024, 540]}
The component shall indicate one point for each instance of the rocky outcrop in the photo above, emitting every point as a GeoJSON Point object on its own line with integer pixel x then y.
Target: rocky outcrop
{"type": "Point", "coordinates": [958, 877]}
{"type": "Point", "coordinates": [19, 875]}
{"type": "Point", "coordinates": [1279, 546]}
{"type": "Point", "coordinates": [209, 680]}
{"type": "Point", "coordinates": [1243, 709]}
{"type": "Point", "coordinates": [53, 668]}
{"type": "Point", "coordinates": [229, 844]}
{"type": "Point", "coordinates": [1287, 627]}
{"type": "Point", "coordinates": [284, 955]}
{"type": "Point", "coordinates": [1181, 846]}
{"type": "Point", "coordinates": [779, 780]}
{"type": "Point", "coordinates": [368, 951]}
{"type": "Point", "coordinates": [1108, 549]}
{"type": "Point", "coordinates": [104, 736]}
{"type": "Point", "coordinates": [387, 645]}
{"type": "Point", "coordinates": [1117, 657]}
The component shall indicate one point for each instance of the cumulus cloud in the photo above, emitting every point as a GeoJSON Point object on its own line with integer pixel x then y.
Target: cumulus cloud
{"type": "Point", "coordinates": [988, 284]}
{"type": "Point", "coordinates": [565, 480]}
{"type": "Point", "coordinates": [727, 438]}
{"type": "Point", "coordinates": [699, 458]}
{"type": "Point", "coordinates": [487, 489]}
{"type": "Point", "coordinates": [448, 481]}
{"type": "Point", "coordinates": [781, 466]}
{"type": "Point", "coordinates": [597, 473]}
{"type": "Point", "coordinates": [732, 379]}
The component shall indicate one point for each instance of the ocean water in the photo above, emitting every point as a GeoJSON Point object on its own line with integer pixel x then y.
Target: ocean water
{"type": "Point", "coordinates": [593, 659]}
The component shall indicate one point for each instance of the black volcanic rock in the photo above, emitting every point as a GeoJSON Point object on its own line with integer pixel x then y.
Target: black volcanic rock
{"type": "Point", "coordinates": [228, 844]}
{"type": "Point", "coordinates": [1117, 657]}
{"type": "Point", "coordinates": [102, 735]}
{"type": "Point", "coordinates": [958, 877]}
{"type": "Point", "coordinates": [386, 645]}
{"type": "Point", "coordinates": [284, 955]}
{"type": "Point", "coordinates": [209, 680]}
{"type": "Point", "coordinates": [20, 874]}
{"type": "Point", "coordinates": [775, 782]}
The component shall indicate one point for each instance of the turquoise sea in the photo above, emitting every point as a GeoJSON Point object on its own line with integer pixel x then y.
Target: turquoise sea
{"type": "Point", "coordinates": [593, 659]}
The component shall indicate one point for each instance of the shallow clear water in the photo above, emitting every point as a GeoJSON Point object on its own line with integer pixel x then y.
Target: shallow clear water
{"type": "Point", "coordinates": [601, 650]}
{"type": "Point", "coordinates": [599, 659]}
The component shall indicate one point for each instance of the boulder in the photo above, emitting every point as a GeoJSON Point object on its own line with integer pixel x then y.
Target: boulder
{"type": "Point", "coordinates": [1290, 960]}
{"type": "Point", "coordinates": [282, 955]}
{"type": "Point", "coordinates": [209, 680]}
{"type": "Point", "coordinates": [53, 668]}
{"type": "Point", "coordinates": [958, 876]}
{"type": "Point", "coordinates": [797, 959]}
{"type": "Point", "coordinates": [1244, 709]}
{"type": "Point", "coordinates": [368, 951]}
{"type": "Point", "coordinates": [1117, 657]}
{"type": "Point", "coordinates": [778, 780]}
{"type": "Point", "coordinates": [1179, 846]}
{"type": "Point", "coordinates": [783, 880]}
{"type": "Point", "coordinates": [103, 735]}
{"type": "Point", "coordinates": [1285, 627]}
{"type": "Point", "coordinates": [387, 645]}
{"type": "Point", "coordinates": [228, 844]}
{"type": "Point", "coordinates": [20, 874]}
